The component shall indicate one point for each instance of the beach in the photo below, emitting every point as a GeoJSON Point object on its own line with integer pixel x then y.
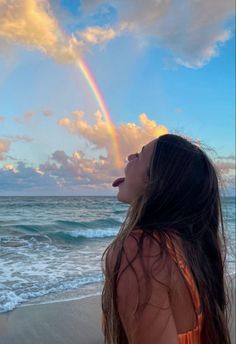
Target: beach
{"type": "Point", "coordinates": [70, 322]}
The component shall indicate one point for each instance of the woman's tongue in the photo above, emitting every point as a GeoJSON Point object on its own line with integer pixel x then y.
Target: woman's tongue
{"type": "Point", "coordinates": [118, 181]}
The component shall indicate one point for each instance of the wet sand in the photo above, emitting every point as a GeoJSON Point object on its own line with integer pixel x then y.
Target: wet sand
{"type": "Point", "coordinates": [68, 322]}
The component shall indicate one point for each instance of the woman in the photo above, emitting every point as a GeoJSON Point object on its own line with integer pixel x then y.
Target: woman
{"type": "Point", "coordinates": [165, 270]}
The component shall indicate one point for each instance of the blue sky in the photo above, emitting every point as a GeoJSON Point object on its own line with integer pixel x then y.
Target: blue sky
{"type": "Point", "coordinates": [178, 69]}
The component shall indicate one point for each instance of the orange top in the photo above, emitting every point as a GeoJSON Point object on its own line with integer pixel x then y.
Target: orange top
{"type": "Point", "coordinates": [192, 336]}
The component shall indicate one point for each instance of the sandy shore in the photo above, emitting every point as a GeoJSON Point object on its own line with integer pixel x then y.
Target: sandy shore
{"type": "Point", "coordinates": [69, 322]}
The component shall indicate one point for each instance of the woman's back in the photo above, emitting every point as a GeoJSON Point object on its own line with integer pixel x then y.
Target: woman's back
{"type": "Point", "coordinates": [171, 316]}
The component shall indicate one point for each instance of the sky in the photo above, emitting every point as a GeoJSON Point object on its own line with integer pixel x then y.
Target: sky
{"type": "Point", "coordinates": [85, 83]}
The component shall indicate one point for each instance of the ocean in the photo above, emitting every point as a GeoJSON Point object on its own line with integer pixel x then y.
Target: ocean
{"type": "Point", "coordinates": [51, 247]}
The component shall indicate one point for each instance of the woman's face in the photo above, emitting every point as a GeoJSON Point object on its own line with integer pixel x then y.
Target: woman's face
{"type": "Point", "coordinates": [136, 178]}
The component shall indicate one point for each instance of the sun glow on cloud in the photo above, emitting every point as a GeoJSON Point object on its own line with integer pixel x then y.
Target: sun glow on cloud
{"type": "Point", "coordinates": [10, 167]}
{"type": "Point", "coordinates": [31, 23]}
{"type": "Point", "coordinates": [4, 147]}
{"type": "Point", "coordinates": [130, 136]}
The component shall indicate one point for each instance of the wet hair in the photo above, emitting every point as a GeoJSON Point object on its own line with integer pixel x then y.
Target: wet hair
{"type": "Point", "coordinates": [182, 197]}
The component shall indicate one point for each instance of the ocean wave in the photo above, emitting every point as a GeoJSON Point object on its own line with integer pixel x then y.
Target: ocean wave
{"type": "Point", "coordinates": [106, 222]}
{"type": "Point", "coordinates": [85, 234]}
{"type": "Point", "coordinates": [10, 299]}
{"type": "Point", "coordinates": [63, 225]}
{"type": "Point", "coordinates": [44, 241]}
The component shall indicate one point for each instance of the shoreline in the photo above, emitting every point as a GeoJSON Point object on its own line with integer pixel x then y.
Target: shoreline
{"type": "Point", "coordinates": [70, 322]}
{"type": "Point", "coordinates": [76, 321]}
{"type": "Point", "coordinates": [54, 301]}
{"type": "Point", "coordinates": [230, 276]}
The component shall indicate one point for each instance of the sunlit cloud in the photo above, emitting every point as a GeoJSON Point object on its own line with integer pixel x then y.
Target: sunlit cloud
{"type": "Point", "coordinates": [131, 136]}
{"type": "Point", "coordinates": [100, 35]}
{"type": "Point", "coordinates": [2, 119]}
{"type": "Point", "coordinates": [32, 23]}
{"type": "Point", "coordinates": [10, 167]}
{"type": "Point", "coordinates": [4, 147]}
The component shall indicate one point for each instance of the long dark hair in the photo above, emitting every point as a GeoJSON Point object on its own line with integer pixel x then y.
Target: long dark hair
{"type": "Point", "coordinates": [183, 197]}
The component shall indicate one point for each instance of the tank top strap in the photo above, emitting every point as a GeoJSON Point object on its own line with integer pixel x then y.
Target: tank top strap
{"type": "Point", "coordinates": [180, 260]}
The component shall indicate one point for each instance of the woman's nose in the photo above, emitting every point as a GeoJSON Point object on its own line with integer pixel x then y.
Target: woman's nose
{"type": "Point", "coordinates": [131, 157]}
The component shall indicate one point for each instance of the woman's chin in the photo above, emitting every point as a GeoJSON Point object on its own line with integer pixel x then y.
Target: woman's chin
{"type": "Point", "coordinates": [122, 198]}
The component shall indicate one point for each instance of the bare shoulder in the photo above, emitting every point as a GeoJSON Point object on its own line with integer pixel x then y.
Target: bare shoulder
{"type": "Point", "coordinates": [146, 252]}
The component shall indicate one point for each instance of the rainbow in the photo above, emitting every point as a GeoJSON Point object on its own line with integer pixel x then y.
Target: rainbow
{"type": "Point", "coordinates": [97, 93]}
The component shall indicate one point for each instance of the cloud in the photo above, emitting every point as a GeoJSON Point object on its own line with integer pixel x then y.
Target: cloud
{"type": "Point", "coordinates": [192, 30]}
{"type": "Point", "coordinates": [47, 113]}
{"type": "Point", "coordinates": [26, 117]}
{"type": "Point", "coordinates": [227, 169]}
{"type": "Point", "coordinates": [130, 136]}
{"type": "Point", "coordinates": [10, 167]}
{"type": "Point", "coordinates": [2, 119]}
{"type": "Point", "coordinates": [32, 23]}
{"type": "Point", "coordinates": [225, 166]}
{"type": "Point", "coordinates": [77, 174]}
{"type": "Point", "coordinates": [22, 179]}
{"type": "Point", "coordinates": [19, 138]}
{"type": "Point", "coordinates": [67, 174]}
{"type": "Point", "coordinates": [60, 174]}
{"type": "Point", "coordinates": [100, 35]}
{"type": "Point", "coordinates": [4, 147]}
{"type": "Point", "coordinates": [228, 157]}
{"type": "Point", "coordinates": [77, 170]}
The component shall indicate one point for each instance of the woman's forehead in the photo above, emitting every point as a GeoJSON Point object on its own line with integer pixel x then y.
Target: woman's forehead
{"type": "Point", "coordinates": [149, 146]}
{"type": "Point", "coordinates": [147, 149]}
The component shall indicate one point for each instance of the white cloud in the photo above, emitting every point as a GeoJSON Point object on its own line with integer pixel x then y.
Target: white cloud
{"type": "Point", "coordinates": [192, 30]}
{"type": "Point", "coordinates": [19, 138]}
{"type": "Point", "coordinates": [226, 167]}
{"type": "Point", "coordinates": [97, 35]}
